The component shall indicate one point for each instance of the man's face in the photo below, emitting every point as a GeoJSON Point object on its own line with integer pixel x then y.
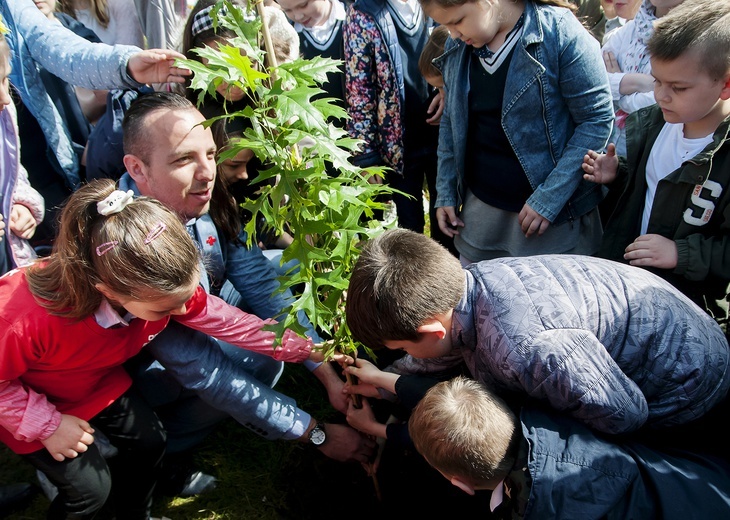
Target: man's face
{"type": "Point", "coordinates": [179, 167]}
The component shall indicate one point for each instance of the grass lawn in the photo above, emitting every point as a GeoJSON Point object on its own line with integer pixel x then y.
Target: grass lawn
{"type": "Point", "coordinates": [260, 479]}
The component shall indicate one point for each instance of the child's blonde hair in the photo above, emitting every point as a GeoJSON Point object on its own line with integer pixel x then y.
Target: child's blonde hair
{"type": "Point", "coordinates": [699, 25]}
{"type": "Point", "coordinates": [465, 431]}
{"type": "Point", "coordinates": [139, 252]}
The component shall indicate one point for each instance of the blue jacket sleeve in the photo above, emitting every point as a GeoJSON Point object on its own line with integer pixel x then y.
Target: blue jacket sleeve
{"type": "Point", "coordinates": [63, 53]}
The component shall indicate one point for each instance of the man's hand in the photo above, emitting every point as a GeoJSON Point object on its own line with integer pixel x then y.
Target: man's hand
{"type": "Point", "coordinates": [334, 386]}
{"type": "Point", "coordinates": [448, 221]}
{"type": "Point", "coordinates": [438, 103]}
{"type": "Point", "coordinates": [157, 66]}
{"type": "Point", "coordinates": [72, 437]}
{"type": "Point", "coordinates": [22, 223]}
{"type": "Point", "coordinates": [346, 444]}
{"type": "Point", "coordinates": [653, 251]}
{"type": "Point", "coordinates": [532, 222]}
{"type": "Point", "coordinates": [601, 168]}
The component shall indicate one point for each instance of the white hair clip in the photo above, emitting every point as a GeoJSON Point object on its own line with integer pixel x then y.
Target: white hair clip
{"type": "Point", "coordinates": [115, 202]}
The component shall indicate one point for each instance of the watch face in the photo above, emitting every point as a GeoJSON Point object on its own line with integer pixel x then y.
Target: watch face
{"type": "Point", "coordinates": [317, 436]}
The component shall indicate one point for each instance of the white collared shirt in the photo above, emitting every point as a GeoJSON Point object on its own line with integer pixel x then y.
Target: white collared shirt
{"type": "Point", "coordinates": [408, 10]}
{"type": "Point", "coordinates": [497, 496]}
{"type": "Point", "coordinates": [321, 33]}
{"type": "Point", "coordinates": [107, 317]}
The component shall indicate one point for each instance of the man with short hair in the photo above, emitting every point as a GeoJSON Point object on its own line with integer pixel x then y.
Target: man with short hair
{"type": "Point", "coordinates": [171, 156]}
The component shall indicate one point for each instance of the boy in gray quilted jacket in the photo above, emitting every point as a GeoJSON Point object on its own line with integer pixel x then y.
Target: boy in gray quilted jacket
{"type": "Point", "coordinates": [613, 346]}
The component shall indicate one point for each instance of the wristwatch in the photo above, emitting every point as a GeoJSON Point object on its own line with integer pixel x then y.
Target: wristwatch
{"type": "Point", "coordinates": [317, 436]}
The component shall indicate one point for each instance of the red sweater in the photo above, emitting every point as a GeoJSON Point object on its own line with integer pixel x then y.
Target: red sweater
{"type": "Point", "coordinates": [51, 364]}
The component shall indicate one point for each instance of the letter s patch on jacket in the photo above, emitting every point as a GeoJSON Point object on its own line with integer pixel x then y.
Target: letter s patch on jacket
{"type": "Point", "coordinates": [707, 206]}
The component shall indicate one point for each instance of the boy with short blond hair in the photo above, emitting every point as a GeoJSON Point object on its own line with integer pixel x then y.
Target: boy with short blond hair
{"type": "Point", "coordinates": [544, 465]}
{"type": "Point", "coordinates": [463, 429]}
{"type": "Point", "coordinates": [613, 346]}
{"type": "Point", "coordinates": [673, 212]}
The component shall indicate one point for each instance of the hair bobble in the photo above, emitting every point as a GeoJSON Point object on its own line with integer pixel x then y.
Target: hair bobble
{"type": "Point", "coordinates": [115, 202]}
{"type": "Point", "coordinates": [155, 232]}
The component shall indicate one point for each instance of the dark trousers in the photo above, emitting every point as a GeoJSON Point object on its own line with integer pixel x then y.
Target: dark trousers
{"type": "Point", "coordinates": [128, 478]}
{"type": "Point", "coordinates": [416, 169]}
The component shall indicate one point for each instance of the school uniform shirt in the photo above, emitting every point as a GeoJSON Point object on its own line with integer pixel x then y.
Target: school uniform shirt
{"type": "Point", "coordinates": [51, 365]}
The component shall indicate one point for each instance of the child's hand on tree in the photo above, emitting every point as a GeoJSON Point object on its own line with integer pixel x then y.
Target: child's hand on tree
{"type": "Point", "coordinates": [370, 379]}
{"type": "Point", "coordinates": [363, 419]}
{"type": "Point", "coordinates": [73, 436]}
{"type": "Point", "coordinates": [361, 388]}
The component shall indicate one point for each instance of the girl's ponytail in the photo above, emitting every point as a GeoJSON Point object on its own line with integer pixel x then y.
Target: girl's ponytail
{"type": "Point", "coordinates": [139, 249]}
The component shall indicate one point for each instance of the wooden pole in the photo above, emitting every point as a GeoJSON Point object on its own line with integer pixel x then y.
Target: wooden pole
{"type": "Point", "coordinates": [268, 44]}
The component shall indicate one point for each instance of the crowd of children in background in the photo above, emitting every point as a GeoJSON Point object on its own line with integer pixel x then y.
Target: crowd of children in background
{"type": "Point", "coordinates": [547, 142]}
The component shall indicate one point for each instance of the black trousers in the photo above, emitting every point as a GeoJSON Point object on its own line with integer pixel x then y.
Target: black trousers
{"type": "Point", "coordinates": [410, 210]}
{"type": "Point", "coordinates": [127, 479]}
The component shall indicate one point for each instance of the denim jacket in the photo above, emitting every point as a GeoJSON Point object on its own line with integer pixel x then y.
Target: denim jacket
{"type": "Point", "coordinates": [557, 105]}
{"type": "Point", "coordinates": [33, 38]}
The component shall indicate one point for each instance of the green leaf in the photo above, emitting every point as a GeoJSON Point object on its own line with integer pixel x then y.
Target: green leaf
{"type": "Point", "coordinates": [292, 133]}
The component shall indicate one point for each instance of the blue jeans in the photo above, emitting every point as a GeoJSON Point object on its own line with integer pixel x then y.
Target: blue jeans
{"type": "Point", "coordinates": [193, 382]}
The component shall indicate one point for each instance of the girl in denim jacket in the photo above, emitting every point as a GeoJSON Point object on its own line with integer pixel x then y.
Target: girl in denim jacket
{"type": "Point", "coordinates": [526, 92]}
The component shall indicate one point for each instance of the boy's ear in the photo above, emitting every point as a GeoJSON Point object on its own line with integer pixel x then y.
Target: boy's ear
{"type": "Point", "coordinates": [725, 92]}
{"type": "Point", "coordinates": [466, 488]}
{"type": "Point", "coordinates": [433, 326]}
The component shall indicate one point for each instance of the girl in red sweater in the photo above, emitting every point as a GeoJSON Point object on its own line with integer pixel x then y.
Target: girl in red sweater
{"type": "Point", "coordinates": [121, 268]}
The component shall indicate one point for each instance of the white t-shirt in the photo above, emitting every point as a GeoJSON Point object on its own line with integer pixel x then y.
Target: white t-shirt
{"type": "Point", "coordinates": [670, 150]}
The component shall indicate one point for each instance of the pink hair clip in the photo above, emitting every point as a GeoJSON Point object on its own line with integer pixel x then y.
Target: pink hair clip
{"type": "Point", "coordinates": [106, 247]}
{"type": "Point", "coordinates": [155, 232]}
